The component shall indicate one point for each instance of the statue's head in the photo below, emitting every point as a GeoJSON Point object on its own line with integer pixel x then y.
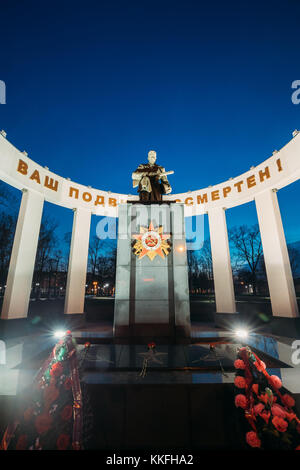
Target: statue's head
{"type": "Point", "coordinates": [151, 157]}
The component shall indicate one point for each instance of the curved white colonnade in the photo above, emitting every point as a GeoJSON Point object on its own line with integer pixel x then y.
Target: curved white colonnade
{"type": "Point", "coordinates": [39, 184]}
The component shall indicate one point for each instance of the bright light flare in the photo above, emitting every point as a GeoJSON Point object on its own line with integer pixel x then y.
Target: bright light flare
{"type": "Point", "coordinates": [241, 333]}
{"type": "Point", "coordinates": [59, 333]}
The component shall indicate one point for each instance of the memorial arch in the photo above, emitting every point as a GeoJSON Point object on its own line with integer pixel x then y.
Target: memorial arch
{"type": "Point", "coordinates": [260, 184]}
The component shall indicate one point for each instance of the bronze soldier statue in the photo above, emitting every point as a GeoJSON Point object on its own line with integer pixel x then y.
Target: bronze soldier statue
{"type": "Point", "coordinates": [151, 180]}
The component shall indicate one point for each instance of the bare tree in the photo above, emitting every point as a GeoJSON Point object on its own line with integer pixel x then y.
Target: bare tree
{"type": "Point", "coordinates": [8, 198]}
{"type": "Point", "coordinates": [193, 269]}
{"type": "Point", "coordinates": [94, 253]}
{"type": "Point", "coordinates": [8, 219]}
{"type": "Point", "coordinates": [46, 245]}
{"type": "Point", "coordinates": [246, 243]}
{"type": "Point", "coordinates": [193, 262]}
{"type": "Point", "coordinates": [205, 259]}
{"type": "Point", "coordinates": [54, 268]}
{"type": "Point", "coordinates": [7, 231]}
{"type": "Point", "coordinates": [67, 238]}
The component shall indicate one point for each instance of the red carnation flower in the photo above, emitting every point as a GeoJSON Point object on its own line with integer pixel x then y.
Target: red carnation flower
{"type": "Point", "coordinates": [240, 382]}
{"type": "Point", "coordinates": [62, 442]}
{"type": "Point", "coordinates": [288, 400]}
{"type": "Point", "coordinates": [280, 424]}
{"type": "Point", "coordinates": [258, 409]}
{"type": "Point", "coordinates": [56, 369]}
{"type": "Point", "coordinates": [239, 364]}
{"type": "Point", "coordinates": [43, 423]}
{"type": "Point", "coordinates": [22, 442]}
{"type": "Point", "coordinates": [275, 381]}
{"type": "Point", "coordinates": [240, 401]}
{"type": "Point", "coordinates": [255, 388]}
{"type": "Point", "coordinates": [151, 345]}
{"type": "Point", "coordinates": [253, 439]}
{"type": "Point", "coordinates": [87, 344]}
{"type": "Point", "coordinates": [67, 412]}
{"type": "Point", "coordinates": [277, 410]}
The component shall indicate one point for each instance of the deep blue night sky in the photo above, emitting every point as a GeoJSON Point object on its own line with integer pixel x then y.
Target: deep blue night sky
{"type": "Point", "coordinates": [92, 86]}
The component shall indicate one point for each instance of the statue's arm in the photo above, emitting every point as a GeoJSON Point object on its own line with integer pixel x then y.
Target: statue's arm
{"type": "Point", "coordinates": [138, 174]}
{"type": "Point", "coordinates": [165, 182]}
{"type": "Point", "coordinates": [164, 179]}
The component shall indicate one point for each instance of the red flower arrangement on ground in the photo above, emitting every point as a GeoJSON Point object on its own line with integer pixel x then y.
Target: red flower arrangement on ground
{"type": "Point", "coordinates": [51, 393]}
{"type": "Point", "coordinates": [240, 382]}
{"type": "Point", "coordinates": [261, 400]}
{"type": "Point", "coordinates": [43, 423]}
{"type": "Point", "coordinates": [66, 413]}
{"type": "Point", "coordinates": [46, 419]}
{"type": "Point", "coordinates": [56, 369]}
{"type": "Point", "coordinates": [253, 439]}
{"type": "Point", "coordinates": [68, 383]}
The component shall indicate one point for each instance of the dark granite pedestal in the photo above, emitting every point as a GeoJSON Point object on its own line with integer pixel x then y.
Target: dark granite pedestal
{"type": "Point", "coordinates": [14, 328]}
{"type": "Point", "coordinates": [288, 327]}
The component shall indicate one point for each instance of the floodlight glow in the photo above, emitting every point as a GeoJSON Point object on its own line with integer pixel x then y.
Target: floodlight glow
{"type": "Point", "coordinates": [59, 333]}
{"type": "Point", "coordinates": [241, 333]}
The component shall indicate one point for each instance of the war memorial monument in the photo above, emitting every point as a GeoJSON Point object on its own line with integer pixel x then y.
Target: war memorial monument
{"type": "Point", "coordinates": [152, 292]}
{"type": "Point", "coordinates": [160, 215]}
{"type": "Point", "coordinates": [153, 376]}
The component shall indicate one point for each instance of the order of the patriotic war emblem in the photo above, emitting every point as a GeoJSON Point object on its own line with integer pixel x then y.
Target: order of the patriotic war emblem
{"type": "Point", "coordinates": [151, 241]}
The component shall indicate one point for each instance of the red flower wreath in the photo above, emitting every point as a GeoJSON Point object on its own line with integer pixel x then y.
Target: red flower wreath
{"type": "Point", "coordinates": [51, 393]}
{"type": "Point", "coordinates": [240, 382]}
{"type": "Point", "coordinates": [264, 404]}
{"type": "Point", "coordinates": [56, 369]}
{"type": "Point", "coordinates": [253, 439]}
{"type": "Point", "coordinates": [43, 423]}
{"type": "Point", "coordinates": [280, 424]}
{"type": "Point", "coordinates": [67, 413]}
{"type": "Point", "coordinates": [68, 383]}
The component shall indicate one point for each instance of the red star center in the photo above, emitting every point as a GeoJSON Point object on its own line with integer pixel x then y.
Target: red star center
{"type": "Point", "coordinates": [151, 242]}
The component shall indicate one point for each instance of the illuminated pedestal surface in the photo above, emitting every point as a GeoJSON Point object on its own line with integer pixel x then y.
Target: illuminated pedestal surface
{"type": "Point", "coordinates": [152, 295]}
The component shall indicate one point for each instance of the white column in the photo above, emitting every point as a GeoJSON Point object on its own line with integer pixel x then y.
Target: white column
{"type": "Point", "coordinates": [278, 268]}
{"type": "Point", "coordinates": [224, 292]}
{"type": "Point", "coordinates": [74, 301]}
{"type": "Point", "coordinates": [21, 267]}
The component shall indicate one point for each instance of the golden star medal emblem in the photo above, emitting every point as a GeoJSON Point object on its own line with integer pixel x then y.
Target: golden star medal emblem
{"type": "Point", "coordinates": [151, 242]}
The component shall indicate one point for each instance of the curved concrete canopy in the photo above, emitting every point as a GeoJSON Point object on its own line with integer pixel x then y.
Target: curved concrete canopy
{"type": "Point", "coordinates": [281, 169]}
